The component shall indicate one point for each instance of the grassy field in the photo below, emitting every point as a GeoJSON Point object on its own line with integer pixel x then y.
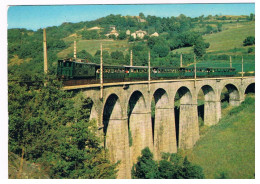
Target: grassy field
{"type": "Point", "coordinates": [92, 46]}
{"type": "Point", "coordinates": [230, 38]}
{"type": "Point", "coordinates": [228, 148]}
{"type": "Point", "coordinates": [229, 41]}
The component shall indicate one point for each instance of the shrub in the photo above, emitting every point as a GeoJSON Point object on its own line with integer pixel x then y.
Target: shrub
{"type": "Point", "coordinates": [250, 40]}
{"type": "Point", "coordinates": [224, 105]}
{"type": "Point", "coordinates": [172, 166]}
{"type": "Point", "coordinates": [146, 167]}
{"type": "Point", "coordinates": [250, 50]}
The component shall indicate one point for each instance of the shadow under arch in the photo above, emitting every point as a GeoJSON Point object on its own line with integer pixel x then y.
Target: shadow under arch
{"type": "Point", "coordinates": [207, 104]}
{"type": "Point", "coordinates": [160, 100]}
{"type": "Point", "coordinates": [139, 125]}
{"type": "Point", "coordinates": [112, 110]}
{"type": "Point", "coordinates": [250, 88]}
{"type": "Point", "coordinates": [115, 134]}
{"type": "Point", "coordinates": [163, 128]}
{"type": "Point", "coordinates": [136, 97]}
{"type": "Point", "coordinates": [186, 119]}
{"type": "Point", "coordinates": [230, 94]}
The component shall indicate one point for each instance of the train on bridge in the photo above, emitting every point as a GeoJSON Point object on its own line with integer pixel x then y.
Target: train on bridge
{"type": "Point", "coordinates": [78, 72]}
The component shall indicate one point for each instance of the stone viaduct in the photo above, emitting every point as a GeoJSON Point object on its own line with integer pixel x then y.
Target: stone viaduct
{"type": "Point", "coordinates": [124, 114]}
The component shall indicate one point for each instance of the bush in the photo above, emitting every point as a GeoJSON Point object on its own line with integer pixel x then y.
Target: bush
{"type": "Point", "coordinates": [250, 50]}
{"type": "Point", "coordinates": [146, 167]}
{"type": "Point", "coordinates": [200, 48]}
{"type": "Point", "coordinates": [131, 39]}
{"type": "Point", "coordinates": [161, 50]}
{"type": "Point", "coordinates": [250, 40]}
{"type": "Point", "coordinates": [224, 105]}
{"type": "Point", "coordinates": [122, 35]}
{"type": "Point", "coordinates": [172, 166]}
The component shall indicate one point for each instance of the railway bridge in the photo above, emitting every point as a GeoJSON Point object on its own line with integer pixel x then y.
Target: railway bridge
{"type": "Point", "coordinates": [123, 113]}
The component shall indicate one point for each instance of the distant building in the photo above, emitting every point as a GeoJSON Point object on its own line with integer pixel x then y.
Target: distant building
{"type": "Point", "coordinates": [140, 34]}
{"type": "Point", "coordinates": [128, 32]}
{"type": "Point", "coordinates": [113, 32]}
{"type": "Point", "coordinates": [113, 27]}
{"type": "Point", "coordinates": [155, 34]}
{"type": "Point", "coordinates": [133, 35]}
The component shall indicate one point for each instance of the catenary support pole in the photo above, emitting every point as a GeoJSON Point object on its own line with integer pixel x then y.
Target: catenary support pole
{"type": "Point", "coordinates": [230, 60]}
{"type": "Point", "coordinates": [131, 58]}
{"type": "Point", "coordinates": [75, 50]}
{"type": "Point", "coordinates": [45, 54]}
{"type": "Point", "coordinates": [242, 68]}
{"type": "Point", "coordinates": [101, 72]}
{"type": "Point", "coordinates": [181, 61]}
{"type": "Point", "coordinates": [149, 71]}
{"type": "Point", "coordinates": [195, 72]}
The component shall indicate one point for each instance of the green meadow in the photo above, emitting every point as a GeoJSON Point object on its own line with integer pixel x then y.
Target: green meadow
{"type": "Point", "coordinates": [230, 38]}
{"type": "Point", "coordinates": [227, 150]}
{"type": "Point", "coordinates": [91, 46]}
{"type": "Point", "coordinates": [229, 41]}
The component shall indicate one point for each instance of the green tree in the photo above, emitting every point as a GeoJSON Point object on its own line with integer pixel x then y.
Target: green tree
{"type": "Point", "coordinates": [118, 57]}
{"type": "Point", "coordinates": [83, 54]}
{"type": "Point", "coordinates": [52, 128]}
{"type": "Point", "coordinates": [146, 167]}
{"type": "Point", "coordinates": [141, 15]}
{"type": "Point", "coordinates": [250, 40]}
{"type": "Point", "coordinates": [191, 171]}
{"type": "Point", "coordinates": [112, 36]}
{"type": "Point", "coordinates": [219, 27]}
{"type": "Point", "coordinates": [252, 17]}
{"type": "Point", "coordinates": [209, 29]}
{"type": "Point", "coordinates": [161, 49]}
{"type": "Point", "coordinates": [171, 166]}
{"type": "Point", "coordinates": [250, 50]}
{"type": "Point", "coordinates": [122, 35]}
{"type": "Point", "coordinates": [131, 39]}
{"type": "Point", "coordinates": [200, 48]}
{"type": "Point", "coordinates": [89, 35]}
